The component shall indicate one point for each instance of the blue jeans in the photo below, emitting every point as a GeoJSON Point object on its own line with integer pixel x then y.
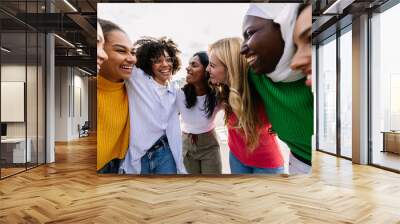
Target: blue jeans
{"type": "Point", "coordinates": [238, 167]}
{"type": "Point", "coordinates": [158, 159]}
{"type": "Point", "coordinates": [110, 167]}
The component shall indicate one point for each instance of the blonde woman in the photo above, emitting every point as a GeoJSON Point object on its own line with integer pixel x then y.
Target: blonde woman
{"type": "Point", "coordinates": [253, 148]}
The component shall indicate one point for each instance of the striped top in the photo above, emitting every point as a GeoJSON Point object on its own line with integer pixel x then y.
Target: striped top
{"type": "Point", "coordinates": [112, 121]}
{"type": "Point", "coordinates": [289, 107]}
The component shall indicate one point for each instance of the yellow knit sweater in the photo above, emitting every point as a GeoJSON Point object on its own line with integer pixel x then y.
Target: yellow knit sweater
{"type": "Point", "coordinates": [112, 121]}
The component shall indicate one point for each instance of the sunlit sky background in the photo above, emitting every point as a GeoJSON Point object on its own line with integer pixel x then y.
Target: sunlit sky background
{"type": "Point", "coordinates": [193, 26]}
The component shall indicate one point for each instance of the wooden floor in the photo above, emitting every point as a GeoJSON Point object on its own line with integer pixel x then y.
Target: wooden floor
{"type": "Point", "coordinates": [10, 171]}
{"type": "Point", "coordinates": [70, 191]}
{"type": "Point", "coordinates": [388, 159]}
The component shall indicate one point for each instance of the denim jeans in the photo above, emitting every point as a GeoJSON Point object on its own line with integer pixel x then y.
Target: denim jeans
{"type": "Point", "coordinates": [238, 167]}
{"type": "Point", "coordinates": [110, 167]}
{"type": "Point", "coordinates": [298, 167]}
{"type": "Point", "coordinates": [158, 160]}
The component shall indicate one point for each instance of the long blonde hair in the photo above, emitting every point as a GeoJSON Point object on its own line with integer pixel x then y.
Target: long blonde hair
{"type": "Point", "coordinates": [236, 96]}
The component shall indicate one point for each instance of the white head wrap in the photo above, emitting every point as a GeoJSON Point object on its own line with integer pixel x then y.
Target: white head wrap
{"type": "Point", "coordinates": [285, 15]}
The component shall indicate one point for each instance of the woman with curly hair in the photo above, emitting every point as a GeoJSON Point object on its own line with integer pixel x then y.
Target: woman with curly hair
{"type": "Point", "coordinates": [155, 143]}
{"type": "Point", "coordinates": [253, 148]}
{"type": "Point", "coordinates": [197, 106]}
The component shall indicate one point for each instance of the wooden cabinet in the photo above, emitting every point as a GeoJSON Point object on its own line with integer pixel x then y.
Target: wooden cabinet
{"type": "Point", "coordinates": [391, 142]}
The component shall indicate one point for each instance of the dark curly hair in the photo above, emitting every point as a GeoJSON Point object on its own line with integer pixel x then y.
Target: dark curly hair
{"type": "Point", "coordinates": [148, 49]}
{"type": "Point", "coordinates": [190, 93]}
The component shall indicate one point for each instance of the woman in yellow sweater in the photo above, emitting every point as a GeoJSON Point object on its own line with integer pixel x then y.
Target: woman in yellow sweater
{"type": "Point", "coordinates": [112, 99]}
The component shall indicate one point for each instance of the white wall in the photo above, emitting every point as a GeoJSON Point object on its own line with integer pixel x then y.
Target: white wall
{"type": "Point", "coordinates": [16, 73]}
{"type": "Point", "coordinates": [33, 126]}
{"type": "Point", "coordinates": [81, 102]}
{"type": "Point", "coordinates": [71, 93]}
{"type": "Point", "coordinates": [61, 103]}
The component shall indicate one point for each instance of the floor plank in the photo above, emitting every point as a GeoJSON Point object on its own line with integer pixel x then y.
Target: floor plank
{"type": "Point", "coordinates": [69, 191]}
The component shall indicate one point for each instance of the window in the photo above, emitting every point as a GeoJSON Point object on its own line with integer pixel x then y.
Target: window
{"type": "Point", "coordinates": [385, 89]}
{"type": "Point", "coordinates": [346, 75]}
{"type": "Point", "coordinates": [327, 96]}
{"type": "Point", "coordinates": [22, 77]}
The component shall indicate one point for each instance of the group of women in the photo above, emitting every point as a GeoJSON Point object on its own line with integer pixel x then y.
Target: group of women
{"type": "Point", "coordinates": [148, 125]}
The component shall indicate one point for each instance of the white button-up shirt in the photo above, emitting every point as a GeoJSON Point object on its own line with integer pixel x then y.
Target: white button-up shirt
{"type": "Point", "coordinates": [153, 113]}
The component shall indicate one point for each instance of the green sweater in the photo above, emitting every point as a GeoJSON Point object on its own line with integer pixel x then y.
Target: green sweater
{"type": "Point", "coordinates": [289, 107]}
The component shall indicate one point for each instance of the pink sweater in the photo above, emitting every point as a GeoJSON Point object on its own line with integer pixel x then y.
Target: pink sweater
{"type": "Point", "coordinates": [266, 155]}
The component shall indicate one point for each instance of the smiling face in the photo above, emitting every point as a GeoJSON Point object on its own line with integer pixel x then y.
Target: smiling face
{"type": "Point", "coordinates": [263, 44]}
{"type": "Point", "coordinates": [302, 39]}
{"type": "Point", "coordinates": [216, 69]}
{"type": "Point", "coordinates": [195, 71]}
{"type": "Point", "coordinates": [121, 57]}
{"type": "Point", "coordinates": [162, 68]}
{"type": "Point", "coordinates": [101, 55]}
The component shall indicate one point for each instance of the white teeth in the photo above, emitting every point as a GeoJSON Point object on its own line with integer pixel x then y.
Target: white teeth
{"type": "Point", "coordinates": [126, 67]}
